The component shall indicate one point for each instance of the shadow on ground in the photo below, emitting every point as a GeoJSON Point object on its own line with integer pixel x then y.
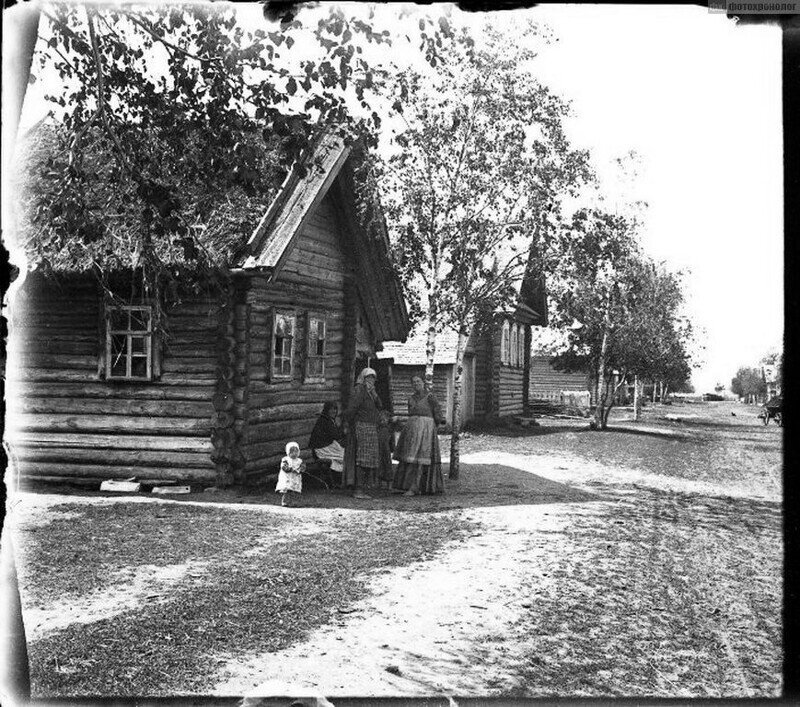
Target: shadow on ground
{"type": "Point", "coordinates": [479, 485]}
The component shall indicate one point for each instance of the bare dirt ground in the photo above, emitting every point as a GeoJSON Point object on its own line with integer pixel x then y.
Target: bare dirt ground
{"type": "Point", "coordinates": [643, 561]}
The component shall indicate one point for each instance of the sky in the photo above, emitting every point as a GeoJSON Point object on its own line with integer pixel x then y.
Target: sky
{"type": "Point", "coordinates": [698, 98]}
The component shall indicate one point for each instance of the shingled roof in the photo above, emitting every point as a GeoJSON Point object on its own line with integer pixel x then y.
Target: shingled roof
{"type": "Point", "coordinates": [412, 352]}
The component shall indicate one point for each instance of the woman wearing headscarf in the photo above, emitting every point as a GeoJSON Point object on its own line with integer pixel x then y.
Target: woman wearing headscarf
{"type": "Point", "coordinates": [420, 462]}
{"type": "Point", "coordinates": [362, 455]}
{"type": "Point", "coordinates": [326, 437]}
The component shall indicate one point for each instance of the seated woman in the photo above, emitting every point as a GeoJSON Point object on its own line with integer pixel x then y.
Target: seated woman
{"type": "Point", "coordinates": [326, 437]}
{"type": "Point", "coordinates": [420, 462]}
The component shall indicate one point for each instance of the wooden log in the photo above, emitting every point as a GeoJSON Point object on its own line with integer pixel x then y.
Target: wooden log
{"type": "Point", "coordinates": [115, 457]}
{"type": "Point", "coordinates": [210, 309]}
{"type": "Point", "coordinates": [185, 365]}
{"type": "Point", "coordinates": [48, 343]}
{"type": "Point", "coordinates": [26, 481]}
{"type": "Point", "coordinates": [112, 423]}
{"type": "Point", "coordinates": [188, 336]}
{"type": "Point", "coordinates": [285, 430]}
{"type": "Point", "coordinates": [51, 361]}
{"type": "Point", "coordinates": [274, 396]}
{"type": "Point", "coordinates": [114, 406]}
{"type": "Point", "coordinates": [108, 471]}
{"type": "Point", "coordinates": [205, 350]}
{"type": "Point", "coordinates": [114, 390]}
{"type": "Point", "coordinates": [284, 412]}
{"type": "Point", "coordinates": [103, 441]}
{"type": "Point", "coordinates": [262, 465]}
{"type": "Point", "coordinates": [271, 448]}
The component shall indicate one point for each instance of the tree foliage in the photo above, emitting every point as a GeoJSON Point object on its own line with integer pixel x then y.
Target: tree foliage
{"type": "Point", "coordinates": [176, 123]}
{"type": "Point", "coordinates": [621, 311]}
{"type": "Point", "coordinates": [749, 383]}
{"type": "Point", "coordinates": [482, 162]}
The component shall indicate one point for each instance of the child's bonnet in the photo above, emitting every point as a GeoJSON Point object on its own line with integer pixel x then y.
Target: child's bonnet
{"type": "Point", "coordinates": [295, 463]}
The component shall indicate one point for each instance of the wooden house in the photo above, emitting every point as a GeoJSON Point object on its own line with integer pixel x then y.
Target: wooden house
{"type": "Point", "coordinates": [97, 391]}
{"type": "Point", "coordinates": [548, 384]}
{"type": "Point", "coordinates": [496, 361]}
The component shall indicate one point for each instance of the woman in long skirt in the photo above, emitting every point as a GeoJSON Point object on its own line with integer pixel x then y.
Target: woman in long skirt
{"type": "Point", "coordinates": [362, 457]}
{"type": "Point", "coordinates": [419, 460]}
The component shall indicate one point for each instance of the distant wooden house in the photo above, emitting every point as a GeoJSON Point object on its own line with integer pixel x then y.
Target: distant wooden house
{"type": "Point", "coordinates": [98, 391]}
{"type": "Point", "coordinates": [555, 386]}
{"type": "Point", "coordinates": [496, 361]}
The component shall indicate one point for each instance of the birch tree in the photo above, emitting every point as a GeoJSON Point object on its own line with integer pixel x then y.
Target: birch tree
{"type": "Point", "coordinates": [621, 310]}
{"type": "Point", "coordinates": [482, 154]}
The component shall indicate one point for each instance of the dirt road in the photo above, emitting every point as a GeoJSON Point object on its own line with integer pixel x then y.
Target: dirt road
{"type": "Point", "coordinates": [645, 561]}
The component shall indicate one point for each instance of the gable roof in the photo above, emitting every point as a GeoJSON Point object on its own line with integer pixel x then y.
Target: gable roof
{"type": "Point", "coordinates": [293, 204]}
{"type": "Point", "coordinates": [532, 304]}
{"type": "Point", "coordinates": [375, 276]}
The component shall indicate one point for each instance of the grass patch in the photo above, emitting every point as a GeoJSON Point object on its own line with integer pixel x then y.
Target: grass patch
{"type": "Point", "coordinates": [243, 604]}
{"type": "Point", "coordinates": [87, 547]}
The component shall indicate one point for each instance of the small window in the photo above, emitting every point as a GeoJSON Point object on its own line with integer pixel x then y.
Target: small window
{"type": "Point", "coordinates": [129, 343]}
{"type": "Point", "coordinates": [315, 353]}
{"type": "Point", "coordinates": [521, 345]}
{"type": "Point", "coordinates": [504, 343]}
{"type": "Point", "coordinates": [283, 345]}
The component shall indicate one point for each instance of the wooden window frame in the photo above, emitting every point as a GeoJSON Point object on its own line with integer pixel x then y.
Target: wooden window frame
{"type": "Point", "coordinates": [317, 377]}
{"type": "Point", "coordinates": [521, 346]}
{"type": "Point", "coordinates": [130, 334]}
{"type": "Point", "coordinates": [274, 374]}
{"type": "Point", "coordinates": [505, 336]}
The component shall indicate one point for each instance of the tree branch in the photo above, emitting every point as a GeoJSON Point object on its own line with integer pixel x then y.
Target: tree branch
{"type": "Point", "coordinates": [101, 101]}
{"type": "Point", "coordinates": [170, 45]}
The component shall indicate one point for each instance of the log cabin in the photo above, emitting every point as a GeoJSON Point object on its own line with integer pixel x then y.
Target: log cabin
{"type": "Point", "coordinates": [548, 384]}
{"type": "Point", "coordinates": [231, 373]}
{"type": "Point", "coordinates": [496, 361]}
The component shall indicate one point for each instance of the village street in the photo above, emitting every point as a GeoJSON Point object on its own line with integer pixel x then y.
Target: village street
{"type": "Point", "coordinates": [645, 560]}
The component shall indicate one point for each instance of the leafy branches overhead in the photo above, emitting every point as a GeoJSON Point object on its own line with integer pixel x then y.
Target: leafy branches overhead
{"type": "Point", "coordinates": [176, 124]}
{"type": "Point", "coordinates": [482, 155]}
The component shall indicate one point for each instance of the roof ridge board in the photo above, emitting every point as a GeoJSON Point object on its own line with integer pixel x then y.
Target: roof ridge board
{"type": "Point", "coordinates": [285, 203]}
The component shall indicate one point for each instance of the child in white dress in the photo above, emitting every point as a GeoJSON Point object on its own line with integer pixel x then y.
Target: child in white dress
{"type": "Point", "coordinates": [290, 477]}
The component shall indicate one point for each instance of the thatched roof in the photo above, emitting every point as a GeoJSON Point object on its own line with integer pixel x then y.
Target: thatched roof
{"type": "Point", "coordinates": [221, 216]}
{"type": "Point", "coordinates": [249, 225]}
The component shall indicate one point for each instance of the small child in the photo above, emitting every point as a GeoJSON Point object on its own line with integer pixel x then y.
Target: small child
{"type": "Point", "coordinates": [290, 477]}
{"type": "Point", "coordinates": [385, 448]}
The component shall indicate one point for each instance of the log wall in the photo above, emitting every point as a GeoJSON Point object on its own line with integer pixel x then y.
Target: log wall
{"type": "Point", "coordinates": [215, 414]}
{"type": "Point", "coordinates": [507, 384]}
{"type": "Point", "coordinates": [547, 383]}
{"type": "Point", "coordinates": [65, 420]}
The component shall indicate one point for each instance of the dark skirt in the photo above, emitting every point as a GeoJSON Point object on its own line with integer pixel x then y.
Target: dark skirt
{"type": "Point", "coordinates": [430, 481]}
{"type": "Point", "coordinates": [418, 452]}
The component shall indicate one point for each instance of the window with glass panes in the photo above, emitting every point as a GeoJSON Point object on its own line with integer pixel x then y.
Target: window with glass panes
{"type": "Point", "coordinates": [315, 356]}
{"type": "Point", "coordinates": [129, 343]}
{"type": "Point", "coordinates": [283, 344]}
